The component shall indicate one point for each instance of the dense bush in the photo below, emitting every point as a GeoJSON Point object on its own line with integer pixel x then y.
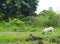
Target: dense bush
{"type": "Point", "coordinates": [49, 17]}
{"type": "Point", "coordinates": [17, 22]}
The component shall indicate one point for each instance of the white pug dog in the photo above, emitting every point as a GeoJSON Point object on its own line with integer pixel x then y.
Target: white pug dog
{"type": "Point", "coordinates": [46, 30]}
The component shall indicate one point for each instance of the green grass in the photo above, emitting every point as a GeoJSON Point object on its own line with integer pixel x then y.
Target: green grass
{"type": "Point", "coordinates": [13, 28]}
{"type": "Point", "coordinates": [24, 30]}
{"type": "Point", "coordinates": [14, 38]}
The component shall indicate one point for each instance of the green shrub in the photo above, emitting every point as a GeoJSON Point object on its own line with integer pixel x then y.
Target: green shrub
{"type": "Point", "coordinates": [17, 22]}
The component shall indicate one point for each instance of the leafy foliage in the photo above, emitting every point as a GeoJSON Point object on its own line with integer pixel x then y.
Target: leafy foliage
{"type": "Point", "coordinates": [17, 8]}
{"type": "Point", "coordinates": [51, 16]}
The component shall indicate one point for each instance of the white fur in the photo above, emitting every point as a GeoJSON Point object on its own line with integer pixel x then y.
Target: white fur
{"type": "Point", "coordinates": [46, 30]}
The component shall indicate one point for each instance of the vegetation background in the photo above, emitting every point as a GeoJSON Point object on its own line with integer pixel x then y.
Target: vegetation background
{"type": "Point", "coordinates": [20, 16]}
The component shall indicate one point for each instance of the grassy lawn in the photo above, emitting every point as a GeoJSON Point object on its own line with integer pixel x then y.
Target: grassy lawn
{"type": "Point", "coordinates": [19, 37]}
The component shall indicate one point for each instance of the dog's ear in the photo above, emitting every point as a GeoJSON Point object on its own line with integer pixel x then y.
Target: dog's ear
{"type": "Point", "coordinates": [43, 32]}
{"type": "Point", "coordinates": [30, 34]}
